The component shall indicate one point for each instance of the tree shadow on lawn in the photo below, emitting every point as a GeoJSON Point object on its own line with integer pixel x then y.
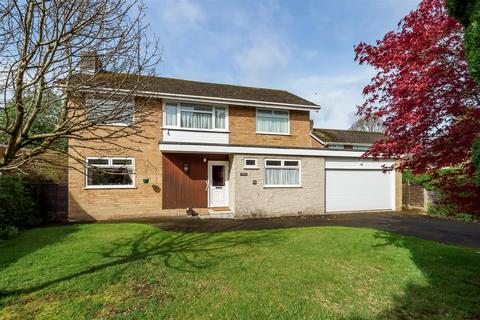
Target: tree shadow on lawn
{"type": "Point", "coordinates": [186, 252]}
{"type": "Point", "coordinates": [453, 281]}
{"type": "Point", "coordinates": [14, 249]}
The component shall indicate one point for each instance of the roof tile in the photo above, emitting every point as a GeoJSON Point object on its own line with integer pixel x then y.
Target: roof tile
{"type": "Point", "coordinates": [194, 88]}
{"type": "Point", "coordinates": [347, 136]}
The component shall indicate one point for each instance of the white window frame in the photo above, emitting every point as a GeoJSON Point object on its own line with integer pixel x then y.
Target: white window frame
{"type": "Point", "coordinates": [282, 165]}
{"type": "Point", "coordinates": [360, 148]}
{"type": "Point", "coordinates": [110, 165]}
{"type": "Point", "coordinates": [336, 146]}
{"type": "Point", "coordinates": [273, 115]}
{"type": "Point", "coordinates": [100, 102]}
{"type": "Point", "coordinates": [246, 166]}
{"type": "Point", "coordinates": [178, 127]}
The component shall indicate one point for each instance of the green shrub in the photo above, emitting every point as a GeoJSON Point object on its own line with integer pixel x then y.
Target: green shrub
{"type": "Point", "coordinates": [17, 209]}
{"type": "Point", "coordinates": [8, 231]}
{"type": "Point", "coordinates": [442, 210]}
{"type": "Point", "coordinates": [464, 217]}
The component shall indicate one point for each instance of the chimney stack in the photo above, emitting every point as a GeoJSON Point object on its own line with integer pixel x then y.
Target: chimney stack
{"type": "Point", "coordinates": [90, 62]}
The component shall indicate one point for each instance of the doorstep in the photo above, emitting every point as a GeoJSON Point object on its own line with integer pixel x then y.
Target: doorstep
{"type": "Point", "coordinates": [219, 213]}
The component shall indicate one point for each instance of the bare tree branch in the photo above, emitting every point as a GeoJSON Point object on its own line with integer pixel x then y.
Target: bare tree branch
{"type": "Point", "coordinates": [371, 124]}
{"type": "Point", "coordinates": [53, 56]}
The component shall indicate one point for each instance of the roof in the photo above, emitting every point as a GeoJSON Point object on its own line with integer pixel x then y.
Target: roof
{"type": "Point", "coordinates": [193, 88]}
{"type": "Point", "coordinates": [346, 136]}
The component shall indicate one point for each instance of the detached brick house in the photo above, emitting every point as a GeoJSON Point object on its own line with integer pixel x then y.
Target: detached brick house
{"type": "Point", "coordinates": [224, 149]}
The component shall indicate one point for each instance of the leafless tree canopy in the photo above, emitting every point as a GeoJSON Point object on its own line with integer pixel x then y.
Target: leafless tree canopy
{"type": "Point", "coordinates": [58, 54]}
{"type": "Point", "coordinates": [369, 125]}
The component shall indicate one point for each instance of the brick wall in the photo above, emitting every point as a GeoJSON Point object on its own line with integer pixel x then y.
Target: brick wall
{"type": "Point", "coordinates": [249, 199]}
{"type": "Point", "coordinates": [242, 127]}
{"type": "Point", "coordinates": [314, 143]}
{"type": "Point", "coordinates": [144, 199]}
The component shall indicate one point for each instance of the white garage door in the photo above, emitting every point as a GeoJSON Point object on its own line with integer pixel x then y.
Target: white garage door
{"type": "Point", "coordinates": [349, 188]}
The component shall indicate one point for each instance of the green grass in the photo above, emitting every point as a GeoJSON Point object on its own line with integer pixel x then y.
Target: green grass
{"type": "Point", "coordinates": [137, 271]}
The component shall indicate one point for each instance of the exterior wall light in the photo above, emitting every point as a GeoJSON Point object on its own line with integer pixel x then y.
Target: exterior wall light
{"type": "Point", "coordinates": [186, 168]}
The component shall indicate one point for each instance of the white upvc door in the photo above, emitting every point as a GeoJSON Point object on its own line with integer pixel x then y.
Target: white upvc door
{"type": "Point", "coordinates": [218, 183]}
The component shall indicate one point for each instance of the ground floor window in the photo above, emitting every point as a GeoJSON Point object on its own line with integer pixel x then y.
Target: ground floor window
{"type": "Point", "coordinates": [282, 173]}
{"type": "Point", "coordinates": [110, 172]}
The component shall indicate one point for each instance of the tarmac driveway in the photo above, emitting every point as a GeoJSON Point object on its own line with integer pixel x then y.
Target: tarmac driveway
{"type": "Point", "coordinates": [421, 226]}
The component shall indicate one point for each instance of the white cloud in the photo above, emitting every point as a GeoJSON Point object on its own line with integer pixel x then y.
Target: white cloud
{"type": "Point", "coordinates": [181, 15]}
{"type": "Point", "coordinates": [337, 95]}
{"type": "Point", "coordinates": [261, 56]}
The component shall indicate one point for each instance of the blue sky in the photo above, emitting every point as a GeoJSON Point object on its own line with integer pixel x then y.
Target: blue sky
{"type": "Point", "coordinates": [305, 47]}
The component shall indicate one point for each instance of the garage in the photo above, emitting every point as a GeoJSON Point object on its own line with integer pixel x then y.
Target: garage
{"type": "Point", "coordinates": [358, 185]}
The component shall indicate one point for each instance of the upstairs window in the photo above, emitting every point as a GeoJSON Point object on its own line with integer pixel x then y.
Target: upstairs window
{"type": "Point", "coordinates": [110, 172]}
{"type": "Point", "coordinates": [272, 121]}
{"type": "Point", "coordinates": [195, 116]}
{"type": "Point", "coordinates": [361, 148]}
{"type": "Point", "coordinates": [111, 112]}
{"type": "Point", "coordinates": [171, 114]}
{"type": "Point", "coordinates": [336, 146]}
{"type": "Point", "coordinates": [282, 173]}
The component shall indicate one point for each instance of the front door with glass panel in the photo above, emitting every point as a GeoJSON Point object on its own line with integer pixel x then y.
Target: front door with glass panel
{"type": "Point", "coordinates": [218, 183]}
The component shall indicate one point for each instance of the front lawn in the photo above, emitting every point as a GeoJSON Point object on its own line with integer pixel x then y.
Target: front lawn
{"type": "Point", "coordinates": [138, 271]}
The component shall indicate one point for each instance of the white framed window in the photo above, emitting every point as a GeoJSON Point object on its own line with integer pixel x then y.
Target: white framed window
{"type": "Point", "coordinates": [273, 121]}
{"type": "Point", "coordinates": [117, 113]}
{"type": "Point", "coordinates": [361, 148]}
{"type": "Point", "coordinates": [250, 163]}
{"type": "Point", "coordinates": [282, 173]}
{"type": "Point", "coordinates": [336, 146]}
{"type": "Point", "coordinates": [195, 116]}
{"type": "Point", "coordinates": [110, 172]}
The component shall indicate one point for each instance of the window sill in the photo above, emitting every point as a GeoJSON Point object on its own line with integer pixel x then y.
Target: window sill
{"type": "Point", "coordinates": [276, 187]}
{"type": "Point", "coordinates": [116, 124]}
{"type": "Point", "coordinates": [108, 187]}
{"type": "Point", "coordinates": [196, 130]}
{"type": "Point", "coordinates": [251, 168]}
{"type": "Point", "coordinates": [273, 133]}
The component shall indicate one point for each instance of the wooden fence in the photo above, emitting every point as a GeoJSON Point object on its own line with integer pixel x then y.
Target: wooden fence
{"type": "Point", "coordinates": [416, 197]}
{"type": "Point", "coordinates": [53, 201]}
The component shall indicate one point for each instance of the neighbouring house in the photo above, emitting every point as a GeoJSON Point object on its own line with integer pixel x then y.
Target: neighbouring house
{"type": "Point", "coordinates": [224, 149]}
{"type": "Point", "coordinates": [345, 139]}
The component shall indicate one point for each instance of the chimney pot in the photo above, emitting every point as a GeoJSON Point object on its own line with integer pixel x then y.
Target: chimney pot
{"type": "Point", "coordinates": [90, 62]}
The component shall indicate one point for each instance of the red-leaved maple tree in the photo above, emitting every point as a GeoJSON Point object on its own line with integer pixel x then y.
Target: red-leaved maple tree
{"type": "Point", "coordinates": [429, 102]}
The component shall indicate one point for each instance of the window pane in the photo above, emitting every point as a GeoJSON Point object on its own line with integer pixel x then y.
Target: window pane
{"type": "Point", "coordinates": [109, 176]}
{"type": "Point", "coordinates": [195, 120]}
{"type": "Point", "coordinates": [360, 148]}
{"type": "Point", "coordinates": [281, 177]}
{"type": "Point", "coordinates": [264, 112]}
{"type": "Point", "coordinates": [97, 161]}
{"type": "Point", "coordinates": [196, 107]}
{"type": "Point", "coordinates": [218, 176]}
{"type": "Point", "coordinates": [122, 162]}
{"type": "Point", "coordinates": [281, 113]}
{"type": "Point", "coordinates": [291, 163]}
{"type": "Point", "coordinates": [272, 124]}
{"type": "Point", "coordinates": [274, 163]}
{"type": "Point", "coordinates": [251, 162]}
{"type": "Point", "coordinates": [110, 111]}
{"type": "Point", "coordinates": [171, 115]}
{"type": "Point", "coordinates": [220, 118]}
